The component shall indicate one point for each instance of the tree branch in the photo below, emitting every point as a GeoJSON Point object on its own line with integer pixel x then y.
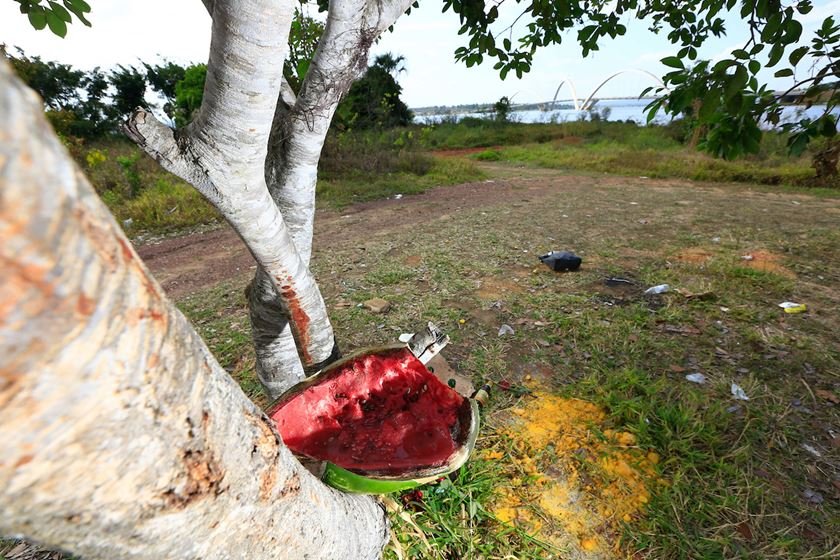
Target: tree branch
{"type": "Point", "coordinates": [223, 154]}
{"type": "Point", "coordinates": [297, 140]}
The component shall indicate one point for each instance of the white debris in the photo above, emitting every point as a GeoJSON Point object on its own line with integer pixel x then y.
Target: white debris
{"type": "Point", "coordinates": [659, 289]}
{"type": "Point", "coordinates": [698, 378]}
{"type": "Point", "coordinates": [505, 330]}
{"type": "Point", "coordinates": [812, 450]}
{"type": "Point", "coordinates": [738, 393]}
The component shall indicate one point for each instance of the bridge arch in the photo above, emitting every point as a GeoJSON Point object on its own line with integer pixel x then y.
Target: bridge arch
{"type": "Point", "coordinates": [574, 94]}
{"type": "Point", "coordinates": [588, 101]}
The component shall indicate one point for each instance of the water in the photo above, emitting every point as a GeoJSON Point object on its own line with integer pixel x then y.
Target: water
{"type": "Point", "coordinates": [612, 110]}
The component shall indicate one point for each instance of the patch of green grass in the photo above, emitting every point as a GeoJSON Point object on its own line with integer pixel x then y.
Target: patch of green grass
{"type": "Point", "coordinates": [488, 155]}
{"type": "Point", "coordinates": [648, 157]}
{"type": "Point", "coordinates": [341, 191]}
{"type": "Point", "coordinates": [220, 316]}
{"type": "Point", "coordinates": [161, 207]}
{"type": "Point", "coordinates": [451, 519]}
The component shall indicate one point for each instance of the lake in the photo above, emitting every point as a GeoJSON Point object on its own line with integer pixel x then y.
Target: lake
{"type": "Point", "coordinates": [611, 110]}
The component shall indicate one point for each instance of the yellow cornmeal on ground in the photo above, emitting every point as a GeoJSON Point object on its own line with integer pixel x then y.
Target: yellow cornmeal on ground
{"type": "Point", "coordinates": [598, 479]}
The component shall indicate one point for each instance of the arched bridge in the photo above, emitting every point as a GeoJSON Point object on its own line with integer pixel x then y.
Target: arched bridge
{"type": "Point", "coordinates": [587, 103]}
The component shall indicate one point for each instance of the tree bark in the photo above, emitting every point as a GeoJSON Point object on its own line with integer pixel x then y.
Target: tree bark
{"type": "Point", "coordinates": [299, 130]}
{"type": "Point", "coordinates": [223, 151]}
{"type": "Point", "coordinates": [123, 437]}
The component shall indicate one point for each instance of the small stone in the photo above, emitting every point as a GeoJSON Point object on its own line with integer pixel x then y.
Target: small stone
{"type": "Point", "coordinates": [377, 305]}
{"type": "Point", "coordinates": [812, 496]}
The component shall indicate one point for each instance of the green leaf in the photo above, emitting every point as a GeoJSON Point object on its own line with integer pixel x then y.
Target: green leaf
{"type": "Point", "coordinates": [59, 10]}
{"type": "Point", "coordinates": [797, 55]}
{"type": "Point", "coordinates": [797, 143]}
{"type": "Point", "coordinates": [755, 66]}
{"type": "Point", "coordinates": [673, 62]}
{"type": "Point", "coordinates": [38, 19]}
{"type": "Point", "coordinates": [829, 126]}
{"type": "Point", "coordinates": [80, 5]}
{"type": "Point", "coordinates": [736, 82]}
{"type": "Point", "coordinates": [57, 25]}
{"type": "Point", "coordinates": [776, 53]}
{"type": "Point", "coordinates": [740, 53]}
{"type": "Point", "coordinates": [710, 104]}
{"type": "Point", "coordinates": [653, 108]}
{"type": "Point", "coordinates": [784, 73]}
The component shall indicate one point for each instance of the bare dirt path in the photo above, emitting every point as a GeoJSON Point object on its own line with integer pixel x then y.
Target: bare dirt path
{"type": "Point", "coordinates": [197, 261]}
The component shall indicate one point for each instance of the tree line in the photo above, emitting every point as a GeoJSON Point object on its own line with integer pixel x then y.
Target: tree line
{"type": "Point", "coordinates": [93, 104]}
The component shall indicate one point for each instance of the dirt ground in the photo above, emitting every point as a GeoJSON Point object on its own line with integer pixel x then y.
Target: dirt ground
{"type": "Point", "coordinates": [190, 263]}
{"type": "Point", "coordinates": [197, 261]}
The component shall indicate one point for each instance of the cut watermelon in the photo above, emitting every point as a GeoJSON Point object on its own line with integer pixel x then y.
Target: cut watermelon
{"type": "Point", "coordinates": [380, 420]}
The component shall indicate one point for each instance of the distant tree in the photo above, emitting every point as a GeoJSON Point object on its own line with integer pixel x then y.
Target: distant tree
{"type": "Point", "coordinates": [501, 109]}
{"type": "Point", "coordinates": [189, 93]}
{"type": "Point", "coordinates": [96, 116]}
{"type": "Point", "coordinates": [303, 40]}
{"type": "Point", "coordinates": [129, 89]}
{"type": "Point", "coordinates": [163, 78]}
{"type": "Point", "coordinates": [374, 100]}
{"type": "Point", "coordinates": [394, 65]}
{"type": "Point", "coordinates": [57, 84]}
{"type": "Point", "coordinates": [75, 101]}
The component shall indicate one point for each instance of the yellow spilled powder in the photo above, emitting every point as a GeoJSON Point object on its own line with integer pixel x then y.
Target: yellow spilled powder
{"type": "Point", "coordinates": [589, 479]}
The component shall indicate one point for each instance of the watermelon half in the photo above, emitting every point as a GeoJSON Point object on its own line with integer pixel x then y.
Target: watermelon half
{"type": "Point", "coordinates": [378, 421]}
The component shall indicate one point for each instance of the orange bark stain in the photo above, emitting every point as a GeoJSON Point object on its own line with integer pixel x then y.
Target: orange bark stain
{"type": "Point", "coordinates": [85, 306]}
{"type": "Point", "coordinates": [16, 280]}
{"type": "Point", "coordinates": [134, 316]}
{"type": "Point", "coordinates": [23, 460]}
{"type": "Point", "coordinates": [127, 253]}
{"type": "Point", "coordinates": [298, 317]}
{"type": "Point", "coordinates": [99, 236]}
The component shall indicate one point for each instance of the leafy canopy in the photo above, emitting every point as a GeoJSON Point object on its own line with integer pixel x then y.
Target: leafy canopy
{"type": "Point", "coordinates": [374, 100]}
{"type": "Point", "coordinates": [55, 15]}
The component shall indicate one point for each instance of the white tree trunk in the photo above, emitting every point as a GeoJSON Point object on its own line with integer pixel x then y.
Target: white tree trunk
{"type": "Point", "coordinates": [223, 152]}
{"type": "Point", "coordinates": [299, 131]}
{"type": "Point", "coordinates": [122, 436]}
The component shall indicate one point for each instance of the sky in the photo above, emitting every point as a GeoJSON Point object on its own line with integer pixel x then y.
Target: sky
{"type": "Point", "coordinates": [125, 32]}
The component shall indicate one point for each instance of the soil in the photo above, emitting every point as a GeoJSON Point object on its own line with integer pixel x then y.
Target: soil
{"type": "Point", "coordinates": [189, 263]}
{"type": "Point", "coordinates": [186, 264]}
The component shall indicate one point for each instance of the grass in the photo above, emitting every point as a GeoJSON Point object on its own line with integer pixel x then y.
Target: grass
{"type": "Point", "coordinates": [338, 192]}
{"type": "Point", "coordinates": [656, 162]}
{"type": "Point", "coordinates": [737, 473]}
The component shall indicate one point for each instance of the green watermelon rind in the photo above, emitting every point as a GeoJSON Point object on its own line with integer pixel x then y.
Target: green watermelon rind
{"type": "Point", "coordinates": [347, 481]}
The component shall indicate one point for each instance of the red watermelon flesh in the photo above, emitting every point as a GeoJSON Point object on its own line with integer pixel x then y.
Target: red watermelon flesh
{"type": "Point", "coordinates": [381, 412]}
